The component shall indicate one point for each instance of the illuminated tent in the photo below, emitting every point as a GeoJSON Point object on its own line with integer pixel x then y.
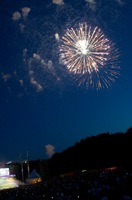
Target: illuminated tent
{"type": "Point", "coordinates": [34, 177]}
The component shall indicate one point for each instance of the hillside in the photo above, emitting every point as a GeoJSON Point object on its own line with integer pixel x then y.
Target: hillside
{"type": "Point", "coordinates": [103, 150]}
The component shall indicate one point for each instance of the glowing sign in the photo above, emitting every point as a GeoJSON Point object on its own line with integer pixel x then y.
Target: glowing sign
{"type": "Point", "coordinates": [4, 172]}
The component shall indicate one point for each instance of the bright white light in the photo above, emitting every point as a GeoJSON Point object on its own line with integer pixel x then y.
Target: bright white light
{"type": "Point", "coordinates": [82, 45]}
{"type": "Point", "coordinates": [4, 172]}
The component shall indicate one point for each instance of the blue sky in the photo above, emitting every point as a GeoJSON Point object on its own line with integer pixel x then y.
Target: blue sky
{"type": "Point", "coordinates": [40, 103]}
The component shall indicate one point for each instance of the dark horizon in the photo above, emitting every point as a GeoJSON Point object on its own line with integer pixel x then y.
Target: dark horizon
{"type": "Point", "coordinates": [51, 153]}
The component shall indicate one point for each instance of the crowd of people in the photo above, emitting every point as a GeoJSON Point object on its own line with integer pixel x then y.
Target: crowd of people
{"type": "Point", "coordinates": [99, 185]}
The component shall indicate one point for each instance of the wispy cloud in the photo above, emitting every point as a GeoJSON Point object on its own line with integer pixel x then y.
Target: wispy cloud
{"type": "Point", "coordinates": [57, 37]}
{"type": "Point", "coordinates": [58, 2]}
{"type": "Point", "coordinates": [50, 150]}
{"type": "Point", "coordinates": [16, 16]}
{"type": "Point", "coordinates": [92, 4]}
{"type": "Point", "coordinates": [24, 52]}
{"type": "Point", "coordinates": [21, 82]}
{"type": "Point", "coordinates": [36, 84]}
{"type": "Point", "coordinates": [25, 11]}
{"type": "Point", "coordinates": [121, 2]}
{"type": "Point", "coordinates": [22, 26]}
{"type": "Point", "coordinates": [6, 77]}
{"type": "Point", "coordinates": [36, 56]}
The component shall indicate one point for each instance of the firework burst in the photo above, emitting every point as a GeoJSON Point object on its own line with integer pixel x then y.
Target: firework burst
{"type": "Point", "coordinates": [89, 56]}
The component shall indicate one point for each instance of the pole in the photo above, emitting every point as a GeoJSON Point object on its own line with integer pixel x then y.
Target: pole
{"type": "Point", "coordinates": [28, 169]}
{"type": "Point", "coordinates": [22, 172]}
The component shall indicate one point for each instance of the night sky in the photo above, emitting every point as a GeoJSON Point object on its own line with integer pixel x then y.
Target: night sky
{"type": "Point", "coordinates": [43, 108]}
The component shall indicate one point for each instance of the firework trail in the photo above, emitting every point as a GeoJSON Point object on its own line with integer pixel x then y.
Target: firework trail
{"type": "Point", "coordinates": [89, 56]}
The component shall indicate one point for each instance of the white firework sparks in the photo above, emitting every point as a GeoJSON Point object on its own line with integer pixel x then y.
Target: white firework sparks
{"type": "Point", "coordinates": [89, 54]}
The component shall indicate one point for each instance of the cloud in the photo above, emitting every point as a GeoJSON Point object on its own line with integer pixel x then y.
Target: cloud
{"type": "Point", "coordinates": [21, 82]}
{"type": "Point", "coordinates": [50, 150]}
{"type": "Point", "coordinates": [24, 52]}
{"type": "Point", "coordinates": [92, 4]}
{"type": "Point", "coordinates": [43, 62]}
{"type": "Point", "coordinates": [58, 2]}
{"type": "Point", "coordinates": [25, 11]}
{"type": "Point", "coordinates": [90, 1]}
{"type": "Point", "coordinates": [6, 77]}
{"type": "Point", "coordinates": [120, 2]}
{"type": "Point", "coordinates": [50, 64]}
{"type": "Point", "coordinates": [22, 26]}
{"type": "Point", "coordinates": [36, 56]}
{"type": "Point", "coordinates": [31, 72]}
{"type": "Point", "coordinates": [16, 16]}
{"type": "Point", "coordinates": [36, 84]}
{"type": "Point", "coordinates": [57, 37]}
{"type": "Point", "coordinates": [51, 67]}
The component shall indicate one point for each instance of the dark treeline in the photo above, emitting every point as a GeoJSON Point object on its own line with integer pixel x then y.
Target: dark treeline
{"type": "Point", "coordinates": [95, 152]}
